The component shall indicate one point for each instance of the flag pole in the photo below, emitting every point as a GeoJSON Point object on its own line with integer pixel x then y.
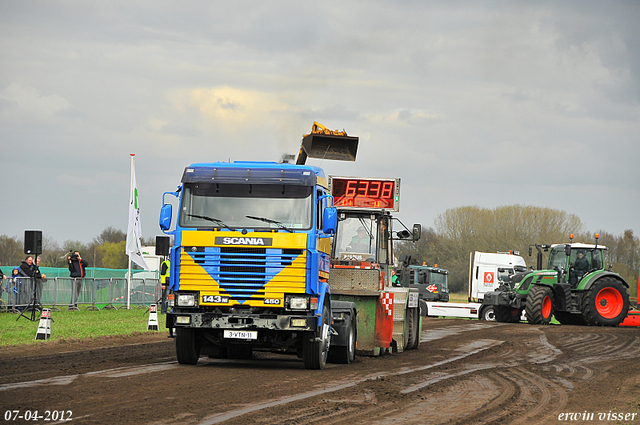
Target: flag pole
{"type": "Point", "coordinates": [128, 256]}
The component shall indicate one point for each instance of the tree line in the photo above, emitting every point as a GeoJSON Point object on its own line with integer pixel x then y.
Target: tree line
{"type": "Point", "coordinates": [105, 250]}
{"type": "Point", "coordinates": [460, 231]}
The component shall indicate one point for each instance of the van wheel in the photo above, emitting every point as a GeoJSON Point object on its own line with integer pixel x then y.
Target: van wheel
{"type": "Point", "coordinates": [488, 314]}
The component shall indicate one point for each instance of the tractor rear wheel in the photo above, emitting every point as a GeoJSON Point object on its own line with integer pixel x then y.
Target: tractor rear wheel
{"type": "Point", "coordinates": [606, 303]}
{"type": "Point", "coordinates": [507, 314]}
{"type": "Point", "coordinates": [539, 306]}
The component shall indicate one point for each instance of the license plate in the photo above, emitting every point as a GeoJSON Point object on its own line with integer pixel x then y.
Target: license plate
{"type": "Point", "coordinates": [241, 334]}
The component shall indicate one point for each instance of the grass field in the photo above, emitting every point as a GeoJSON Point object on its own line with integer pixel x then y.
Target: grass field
{"type": "Point", "coordinates": [75, 325]}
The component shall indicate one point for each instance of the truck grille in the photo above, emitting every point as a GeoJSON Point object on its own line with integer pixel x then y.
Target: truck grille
{"type": "Point", "coordinates": [242, 273]}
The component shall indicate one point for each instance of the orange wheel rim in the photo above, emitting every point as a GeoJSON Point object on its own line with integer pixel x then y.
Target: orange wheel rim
{"type": "Point", "coordinates": [609, 303]}
{"type": "Point", "coordinates": [546, 307]}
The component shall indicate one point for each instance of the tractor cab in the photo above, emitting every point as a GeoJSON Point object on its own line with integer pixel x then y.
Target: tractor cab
{"type": "Point", "coordinates": [575, 260]}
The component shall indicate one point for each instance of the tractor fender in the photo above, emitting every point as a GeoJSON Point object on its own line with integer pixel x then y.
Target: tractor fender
{"type": "Point", "coordinates": [588, 282]}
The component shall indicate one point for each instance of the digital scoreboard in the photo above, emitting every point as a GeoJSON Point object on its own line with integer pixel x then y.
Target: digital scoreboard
{"type": "Point", "coordinates": [358, 193]}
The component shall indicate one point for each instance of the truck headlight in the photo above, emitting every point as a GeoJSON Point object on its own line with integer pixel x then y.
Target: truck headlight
{"type": "Point", "coordinates": [298, 303]}
{"type": "Point", "coordinates": [186, 300]}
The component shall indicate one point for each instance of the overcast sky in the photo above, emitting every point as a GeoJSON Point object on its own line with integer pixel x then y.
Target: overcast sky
{"type": "Point", "coordinates": [469, 103]}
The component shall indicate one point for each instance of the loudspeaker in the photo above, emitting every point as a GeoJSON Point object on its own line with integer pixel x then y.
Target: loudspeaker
{"type": "Point", "coordinates": [162, 245]}
{"type": "Point", "coordinates": [33, 242]}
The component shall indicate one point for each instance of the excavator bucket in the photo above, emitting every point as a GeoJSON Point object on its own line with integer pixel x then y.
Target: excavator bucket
{"type": "Point", "coordinates": [328, 146]}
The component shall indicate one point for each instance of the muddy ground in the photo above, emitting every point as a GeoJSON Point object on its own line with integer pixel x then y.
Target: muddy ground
{"type": "Point", "coordinates": [464, 372]}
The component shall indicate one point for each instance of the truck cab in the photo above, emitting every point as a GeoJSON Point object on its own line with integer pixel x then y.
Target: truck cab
{"type": "Point", "coordinates": [250, 261]}
{"type": "Point", "coordinates": [431, 281]}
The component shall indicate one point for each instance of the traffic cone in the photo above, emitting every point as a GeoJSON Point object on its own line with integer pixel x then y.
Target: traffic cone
{"type": "Point", "coordinates": [153, 318]}
{"type": "Point", "coordinates": [44, 327]}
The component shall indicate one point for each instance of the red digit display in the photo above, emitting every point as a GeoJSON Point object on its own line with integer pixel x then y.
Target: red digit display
{"type": "Point", "coordinates": [364, 193]}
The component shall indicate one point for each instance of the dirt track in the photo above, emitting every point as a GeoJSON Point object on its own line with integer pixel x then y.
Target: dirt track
{"type": "Point", "coordinates": [466, 372]}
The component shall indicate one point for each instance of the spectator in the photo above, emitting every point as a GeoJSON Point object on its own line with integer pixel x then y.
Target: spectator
{"type": "Point", "coordinates": [14, 288]}
{"type": "Point", "coordinates": [2, 278]}
{"type": "Point", "coordinates": [27, 269]}
{"type": "Point", "coordinates": [165, 274]}
{"type": "Point", "coordinates": [77, 270]}
{"type": "Point", "coordinates": [39, 278]}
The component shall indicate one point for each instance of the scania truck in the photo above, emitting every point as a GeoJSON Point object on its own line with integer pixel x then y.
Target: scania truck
{"type": "Point", "coordinates": [251, 258]}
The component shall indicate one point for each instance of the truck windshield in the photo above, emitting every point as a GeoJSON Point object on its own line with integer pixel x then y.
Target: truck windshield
{"type": "Point", "coordinates": [439, 278]}
{"type": "Point", "coordinates": [227, 205]}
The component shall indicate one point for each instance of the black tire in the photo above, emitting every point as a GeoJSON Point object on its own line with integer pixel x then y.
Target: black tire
{"type": "Point", "coordinates": [488, 313]}
{"type": "Point", "coordinates": [539, 306]}
{"type": "Point", "coordinates": [239, 352]}
{"type": "Point", "coordinates": [346, 355]}
{"type": "Point", "coordinates": [315, 353]}
{"type": "Point", "coordinates": [417, 329]}
{"type": "Point", "coordinates": [409, 329]}
{"type": "Point", "coordinates": [606, 303]}
{"type": "Point", "coordinates": [506, 314]}
{"type": "Point", "coordinates": [566, 318]}
{"type": "Point", "coordinates": [187, 346]}
{"type": "Point", "coordinates": [423, 308]}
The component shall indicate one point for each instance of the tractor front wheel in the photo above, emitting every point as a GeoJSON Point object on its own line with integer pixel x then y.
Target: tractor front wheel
{"type": "Point", "coordinates": [539, 306]}
{"type": "Point", "coordinates": [606, 303]}
{"type": "Point", "coordinates": [507, 314]}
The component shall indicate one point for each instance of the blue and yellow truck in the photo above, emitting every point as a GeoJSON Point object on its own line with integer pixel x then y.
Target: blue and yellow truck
{"type": "Point", "coordinates": [250, 259]}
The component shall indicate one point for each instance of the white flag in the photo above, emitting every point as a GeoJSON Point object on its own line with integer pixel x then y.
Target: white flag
{"type": "Point", "coordinates": [134, 232]}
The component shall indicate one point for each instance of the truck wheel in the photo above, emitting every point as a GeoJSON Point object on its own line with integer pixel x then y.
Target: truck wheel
{"type": "Point", "coordinates": [566, 318]}
{"type": "Point", "coordinates": [239, 352]}
{"type": "Point", "coordinates": [417, 329]}
{"type": "Point", "coordinates": [187, 346]}
{"type": "Point", "coordinates": [423, 308]}
{"type": "Point", "coordinates": [315, 352]}
{"type": "Point", "coordinates": [345, 355]}
{"type": "Point", "coordinates": [606, 303]}
{"type": "Point", "coordinates": [410, 329]}
{"type": "Point", "coordinates": [507, 314]}
{"type": "Point", "coordinates": [488, 314]}
{"type": "Point", "coordinates": [539, 306]}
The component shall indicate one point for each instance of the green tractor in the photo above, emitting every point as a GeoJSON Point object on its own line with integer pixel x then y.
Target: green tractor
{"type": "Point", "coordinates": [575, 288]}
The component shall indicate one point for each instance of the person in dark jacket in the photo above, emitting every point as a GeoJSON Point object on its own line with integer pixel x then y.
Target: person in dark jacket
{"type": "Point", "coordinates": [2, 278]}
{"type": "Point", "coordinates": [77, 270]}
{"type": "Point", "coordinates": [38, 278]}
{"type": "Point", "coordinates": [27, 269]}
{"type": "Point", "coordinates": [580, 267]}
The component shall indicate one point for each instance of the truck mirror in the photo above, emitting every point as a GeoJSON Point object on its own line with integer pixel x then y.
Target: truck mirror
{"type": "Point", "coordinates": [567, 250]}
{"type": "Point", "coordinates": [404, 234]}
{"type": "Point", "coordinates": [530, 251]}
{"type": "Point", "coordinates": [165, 217]}
{"type": "Point", "coordinates": [330, 220]}
{"type": "Point", "coordinates": [417, 232]}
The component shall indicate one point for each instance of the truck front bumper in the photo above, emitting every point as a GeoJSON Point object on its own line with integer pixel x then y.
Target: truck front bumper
{"type": "Point", "coordinates": [284, 322]}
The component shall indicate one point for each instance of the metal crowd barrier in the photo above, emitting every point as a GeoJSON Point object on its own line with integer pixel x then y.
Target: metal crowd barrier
{"type": "Point", "coordinates": [74, 293]}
